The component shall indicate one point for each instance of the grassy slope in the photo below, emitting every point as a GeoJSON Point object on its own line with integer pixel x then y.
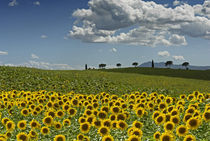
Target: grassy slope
{"type": "Point", "coordinates": [96, 81]}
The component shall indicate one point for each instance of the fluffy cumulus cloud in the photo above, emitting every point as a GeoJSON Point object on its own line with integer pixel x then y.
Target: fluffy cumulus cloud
{"type": "Point", "coordinates": [140, 23]}
{"type": "Point", "coordinates": [3, 53]}
{"type": "Point", "coordinates": [113, 50]}
{"type": "Point", "coordinates": [34, 56]}
{"type": "Point", "coordinates": [13, 3]}
{"type": "Point", "coordinates": [43, 36]}
{"type": "Point", "coordinates": [36, 3]}
{"type": "Point", "coordinates": [176, 2]}
{"type": "Point", "coordinates": [43, 65]}
{"type": "Point", "coordinates": [163, 53]}
{"type": "Point", "coordinates": [180, 58]}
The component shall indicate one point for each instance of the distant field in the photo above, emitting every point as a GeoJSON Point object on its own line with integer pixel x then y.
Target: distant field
{"type": "Point", "coordinates": [113, 81]}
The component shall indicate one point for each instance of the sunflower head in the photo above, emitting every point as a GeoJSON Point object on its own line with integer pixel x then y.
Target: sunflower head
{"type": "Point", "coordinates": [22, 124]}
{"type": "Point", "coordinates": [22, 137]}
{"type": "Point", "coordinates": [85, 127]}
{"type": "Point", "coordinates": [206, 116]}
{"type": "Point", "coordinates": [107, 138]}
{"type": "Point", "coordinates": [137, 124]}
{"type": "Point", "coordinates": [57, 125]}
{"type": "Point", "coordinates": [189, 138]}
{"type": "Point", "coordinates": [10, 125]}
{"type": "Point", "coordinates": [122, 125]}
{"type": "Point", "coordinates": [169, 126]}
{"type": "Point", "coordinates": [66, 122]}
{"type": "Point", "coordinates": [193, 123]}
{"type": "Point", "coordinates": [103, 130]}
{"type": "Point", "coordinates": [157, 135]}
{"type": "Point", "coordinates": [166, 137]}
{"type": "Point", "coordinates": [48, 121]}
{"type": "Point", "coordinates": [134, 138]}
{"type": "Point", "coordinates": [59, 138]}
{"type": "Point", "coordinates": [181, 130]}
{"type": "Point", "coordinates": [160, 119]}
{"type": "Point", "coordinates": [45, 130]}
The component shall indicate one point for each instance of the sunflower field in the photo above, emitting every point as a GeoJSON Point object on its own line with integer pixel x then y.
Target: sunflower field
{"type": "Point", "coordinates": [52, 116]}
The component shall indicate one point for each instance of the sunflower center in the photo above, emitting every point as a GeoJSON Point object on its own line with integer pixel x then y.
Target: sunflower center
{"type": "Point", "coordinates": [182, 130]}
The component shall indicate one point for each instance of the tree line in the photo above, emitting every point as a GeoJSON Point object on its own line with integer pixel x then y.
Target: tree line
{"type": "Point", "coordinates": [135, 64]}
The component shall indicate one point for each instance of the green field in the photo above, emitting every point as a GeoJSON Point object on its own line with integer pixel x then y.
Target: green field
{"type": "Point", "coordinates": [113, 81]}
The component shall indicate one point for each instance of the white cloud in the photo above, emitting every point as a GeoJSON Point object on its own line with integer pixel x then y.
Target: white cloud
{"type": "Point", "coordinates": [164, 53]}
{"type": "Point", "coordinates": [43, 36]}
{"type": "Point", "coordinates": [42, 65]}
{"type": "Point", "coordinates": [176, 2]}
{"type": "Point", "coordinates": [13, 3]}
{"type": "Point", "coordinates": [3, 53]}
{"type": "Point", "coordinates": [203, 10]}
{"type": "Point", "coordinates": [143, 23]}
{"type": "Point", "coordinates": [36, 3]}
{"type": "Point", "coordinates": [113, 50]}
{"type": "Point", "coordinates": [34, 56]}
{"type": "Point", "coordinates": [180, 58]}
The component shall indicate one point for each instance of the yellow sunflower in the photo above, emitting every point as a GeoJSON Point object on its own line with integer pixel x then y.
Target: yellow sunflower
{"type": "Point", "coordinates": [182, 130]}
{"type": "Point", "coordinates": [22, 137]}
{"type": "Point", "coordinates": [59, 138]}
{"type": "Point", "coordinates": [157, 135]}
{"type": "Point", "coordinates": [22, 124]}
{"type": "Point", "coordinates": [85, 127]}
{"type": "Point", "coordinates": [107, 138]}
{"type": "Point", "coordinates": [103, 131]}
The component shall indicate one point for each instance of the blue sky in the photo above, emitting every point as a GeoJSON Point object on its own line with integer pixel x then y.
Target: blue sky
{"type": "Point", "coordinates": [42, 34]}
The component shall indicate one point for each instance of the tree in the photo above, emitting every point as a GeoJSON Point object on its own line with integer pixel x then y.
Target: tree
{"type": "Point", "coordinates": [118, 65]}
{"type": "Point", "coordinates": [185, 64]}
{"type": "Point", "coordinates": [86, 67]}
{"type": "Point", "coordinates": [168, 63]}
{"type": "Point", "coordinates": [153, 65]}
{"type": "Point", "coordinates": [102, 66]}
{"type": "Point", "coordinates": [135, 64]}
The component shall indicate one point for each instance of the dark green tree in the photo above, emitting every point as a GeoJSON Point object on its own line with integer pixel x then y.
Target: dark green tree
{"type": "Point", "coordinates": [118, 65]}
{"type": "Point", "coordinates": [185, 64]}
{"type": "Point", "coordinates": [135, 64]}
{"type": "Point", "coordinates": [168, 63]}
{"type": "Point", "coordinates": [153, 65]}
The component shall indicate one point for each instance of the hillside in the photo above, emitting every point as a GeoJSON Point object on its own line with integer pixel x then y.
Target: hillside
{"type": "Point", "coordinates": [174, 66]}
{"type": "Point", "coordinates": [93, 81]}
{"type": "Point", "coordinates": [191, 74]}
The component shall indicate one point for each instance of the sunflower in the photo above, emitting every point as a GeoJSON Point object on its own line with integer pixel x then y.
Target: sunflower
{"type": "Point", "coordinates": [57, 125]}
{"type": "Point", "coordinates": [82, 120]}
{"type": "Point", "coordinates": [181, 130]}
{"type": "Point", "coordinates": [137, 132]}
{"type": "Point", "coordinates": [134, 138]}
{"type": "Point", "coordinates": [157, 135]}
{"type": "Point", "coordinates": [114, 124]}
{"type": "Point", "coordinates": [206, 116]}
{"type": "Point", "coordinates": [80, 137]}
{"type": "Point", "coordinates": [187, 117]}
{"type": "Point", "coordinates": [105, 109]}
{"type": "Point", "coordinates": [166, 137]}
{"type": "Point", "coordinates": [51, 113]}
{"type": "Point", "coordinates": [155, 114]}
{"type": "Point", "coordinates": [175, 119]}
{"type": "Point", "coordinates": [175, 112]}
{"type": "Point", "coordinates": [24, 112]}
{"type": "Point", "coordinates": [85, 127]}
{"type": "Point", "coordinates": [112, 117]}
{"type": "Point", "coordinates": [10, 125]}
{"type": "Point", "coordinates": [22, 124]}
{"type": "Point", "coordinates": [22, 137]}
{"type": "Point", "coordinates": [189, 138]}
{"type": "Point", "coordinates": [72, 111]}
{"type": "Point", "coordinates": [160, 119]}
{"type": "Point", "coordinates": [107, 138]}
{"type": "Point", "coordinates": [115, 109]}
{"type": "Point", "coordinates": [140, 112]}
{"type": "Point", "coordinates": [60, 113]}
{"type": "Point", "coordinates": [33, 134]}
{"type": "Point", "coordinates": [66, 122]}
{"type": "Point", "coordinates": [122, 125]}
{"type": "Point", "coordinates": [103, 131]}
{"type": "Point", "coordinates": [45, 130]}
{"type": "Point", "coordinates": [190, 110]}
{"type": "Point", "coordinates": [97, 123]}
{"type": "Point", "coordinates": [169, 126]}
{"type": "Point", "coordinates": [137, 124]}
{"type": "Point", "coordinates": [5, 120]}
{"type": "Point", "coordinates": [193, 123]}
{"type": "Point", "coordinates": [59, 138]}
{"type": "Point", "coordinates": [8, 134]}
{"type": "Point", "coordinates": [34, 124]}
{"type": "Point", "coordinates": [48, 121]}
{"type": "Point", "coordinates": [121, 116]}
{"type": "Point", "coordinates": [102, 115]}
{"type": "Point", "coordinates": [107, 123]}
{"type": "Point", "coordinates": [162, 106]}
